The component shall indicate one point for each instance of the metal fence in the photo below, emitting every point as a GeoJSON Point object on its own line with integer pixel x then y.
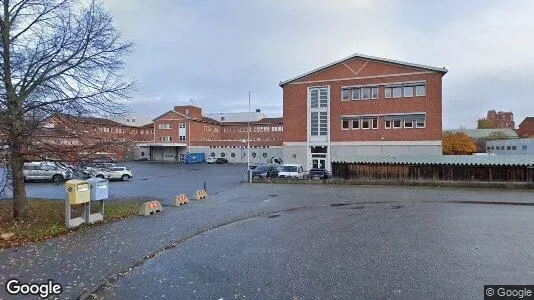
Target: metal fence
{"type": "Point", "coordinates": [407, 172]}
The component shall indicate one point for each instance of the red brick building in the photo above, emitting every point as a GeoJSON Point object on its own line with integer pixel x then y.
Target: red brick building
{"type": "Point", "coordinates": [186, 130]}
{"type": "Point", "coordinates": [526, 128]}
{"type": "Point", "coordinates": [362, 105]}
{"type": "Point", "coordinates": [494, 120]}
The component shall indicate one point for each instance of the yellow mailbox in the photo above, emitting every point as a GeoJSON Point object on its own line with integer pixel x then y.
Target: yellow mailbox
{"type": "Point", "coordinates": [77, 191]}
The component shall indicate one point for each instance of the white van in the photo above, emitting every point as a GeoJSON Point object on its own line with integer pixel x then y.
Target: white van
{"type": "Point", "coordinates": [291, 171]}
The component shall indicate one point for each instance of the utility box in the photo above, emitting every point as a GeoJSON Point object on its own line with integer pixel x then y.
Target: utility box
{"type": "Point", "coordinates": [99, 188]}
{"type": "Point", "coordinates": [77, 191]}
{"type": "Point", "coordinates": [193, 158]}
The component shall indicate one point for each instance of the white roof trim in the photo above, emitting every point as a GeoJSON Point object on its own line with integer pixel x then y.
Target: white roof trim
{"type": "Point", "coordinates": [386, 60]}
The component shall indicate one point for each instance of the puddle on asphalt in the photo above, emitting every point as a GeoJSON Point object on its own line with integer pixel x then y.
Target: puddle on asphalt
{"type": "Point", "coordinates": [338, 204]}
{"type": "Point", "coordinates": [273, 195]}
{"type": "Point", "coordinates": [357, 207]}
{"type": "Point", "coordinates": [397, 207]}
{"type": "Point", "coordinates": [273, 216]}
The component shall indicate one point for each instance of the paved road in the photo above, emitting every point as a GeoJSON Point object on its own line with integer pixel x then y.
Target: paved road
{"type": "Point", "coordinates": [158, 180]}
{"type": "Point", "coordinates": [300, 242]}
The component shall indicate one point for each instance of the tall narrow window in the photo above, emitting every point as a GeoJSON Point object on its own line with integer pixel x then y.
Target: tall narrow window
{"type": "Point", "coordinates": [420, 90]}
{"type": "Point", "coordinates": [388, 92]}
{"type": "Point", "coordinates": [375, 123]}
{"type": "Point", "coordinates": [408, 91]}
{"type": "Point", "coordinates": [366, 93]}
{"type": "Point", "coordinates": [397, 92]}
{"type": "Point", "coordinates": [356, 123]}
{"type": "Point", "coordinates": [323, 97]}
{"type": "Point", "coordinates": [345, 94]}
{"type": "Point", "coordinates": [323, 123]}
{"type": "Point", "coordinates": [314, 98]}
{"type": "Point", "coordinates": [356, 94]}
{"type": "Point", "coordinates": [374, 92]}
{"type": "Point", "coordinates": [314, 122]}
{"type": "Point", "coordinates": [344, 124]}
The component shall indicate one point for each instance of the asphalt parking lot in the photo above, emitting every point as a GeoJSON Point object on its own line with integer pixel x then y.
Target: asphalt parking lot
{"type": "Point", "coordinates": [158, 180]}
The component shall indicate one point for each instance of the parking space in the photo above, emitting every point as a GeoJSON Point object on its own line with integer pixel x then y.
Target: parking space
{"type": "Point", "coordinates": [158, 180]}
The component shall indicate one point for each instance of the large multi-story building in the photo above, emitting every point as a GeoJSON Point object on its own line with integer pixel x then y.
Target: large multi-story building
{"type": "Point", "coordinates": [186, 130]}
{"type": "Point", "coordinates": [501, 119]}
{"type": "Point", "coordinates": [362, 105]}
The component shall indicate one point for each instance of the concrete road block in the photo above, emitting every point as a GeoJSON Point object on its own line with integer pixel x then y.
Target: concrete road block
{"type": "Point", "coordinates": [180, 199]}
{"type": "Point", "coordinates": [201, 194]}
{"type": "Point", "coordinates": [150, 207]}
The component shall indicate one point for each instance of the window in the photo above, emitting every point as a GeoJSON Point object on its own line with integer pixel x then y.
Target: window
{"type": "Point", "coordinates": [164, 126]}
{"type": "Point", "coordinates": [165, 138]}
{"type": "Point", "coordinates": [323, 97]}
{"type": "Point", "coordinates": [182, 138]}
{"type": "Point", "coordinates": [253, 154]}
{"type": "Point", "coordinates": [264, 155]}
{"type": "Point", "coordinates": [345, 94]}
{"type": "Point", "coordinates": [182, 125]}
{"type": "Point", "coordinates": [420, 121]}
{"type": "Point", "coordinates": [356, 123]}
{"type": "Point", "coordinates": [323, 123]}
{"type": "Point", "coordinates": [222, 119]}
{"type": "Point", "coordinates": [397, 92]}
{"type": "Point", "coordinates": [223, 154]}
{"type": "Point", "coordinates": [232, 154]}
{"type": "Point", "coordinates": [408, 123]}
{"type": "Point", "coordinates": [314, 123]}
{"type": "Point", "coordinates": [375, 123]}
{"type": "Point", "coordinates": [366, 93]}
{"type": "Point", "coordinates": [356, 94]}
{"type": "Point", "coordinates": [387, 124]}
{"type": "Point", "coordinates": [524, 147]}
{"type": "Point", "coordinates": [408, 91]}
{"type": "Point", "coordinates": [514, 147]}
{"type": "Point", "coordinates": [344, 124]}
{"type": "Point", "coordinates": [420, 90]}
{"type": "Point", "coordinates": [374, 92]}
{"type": "Point", "coordinates": [212, 154]}
{"type": "Point", "coordinates": [388, 91]}
{"type": "Point", "coordinates": [314, 98]}
{"type": "Point", "coordinates": [365, 124]}
{"type": "Point", "coordinates": [508, 147]}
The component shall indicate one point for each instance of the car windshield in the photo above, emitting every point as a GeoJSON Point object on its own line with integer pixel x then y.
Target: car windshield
{"type": "Point", "coordinates": [289, 169]}
{"type": "Point", "coordinates": [116, 169]}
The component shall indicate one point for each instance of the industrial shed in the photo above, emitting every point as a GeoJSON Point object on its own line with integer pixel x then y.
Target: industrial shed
{"type": "Point", "coordinates": [491, 168]}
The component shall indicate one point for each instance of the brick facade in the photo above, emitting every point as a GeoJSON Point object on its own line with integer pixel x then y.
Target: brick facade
{"type": "Point", "coordinates": [422, 110]}
{"type": "Point", "coordinates": [526, 128]}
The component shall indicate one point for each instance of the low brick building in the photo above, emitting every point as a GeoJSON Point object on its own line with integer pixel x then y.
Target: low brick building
{"type": "Point", "coordinates": [526, 128]}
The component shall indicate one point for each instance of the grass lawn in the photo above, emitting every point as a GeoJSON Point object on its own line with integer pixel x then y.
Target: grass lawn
{"type": "Point", "coordinates": [45, 219]}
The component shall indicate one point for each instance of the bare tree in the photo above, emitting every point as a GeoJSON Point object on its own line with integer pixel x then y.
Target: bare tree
{"type": "Point", "coordinates": [58, 56]}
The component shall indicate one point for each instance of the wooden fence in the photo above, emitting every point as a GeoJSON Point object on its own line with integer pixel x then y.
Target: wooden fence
{"type": "Point", "coordinates": [398, 172]}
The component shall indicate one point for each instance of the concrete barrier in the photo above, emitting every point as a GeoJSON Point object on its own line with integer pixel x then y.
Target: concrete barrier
{"type": "Point", "coordinates": [180, 200]}
{"type": "Point", "coordinates": [150, 207]}
{"type": "Point", "coordinates": [201, 194]}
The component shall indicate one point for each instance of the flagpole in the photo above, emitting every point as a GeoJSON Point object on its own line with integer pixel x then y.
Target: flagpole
{"type": "Point", "coordinates": [248, 143]}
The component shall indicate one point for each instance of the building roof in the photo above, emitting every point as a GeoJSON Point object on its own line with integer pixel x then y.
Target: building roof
{"type": "Point", "coordinates": [466, 160]}
{"type": "Point", "coordinates": [527, 120]}
{"type": "Point", "coordinates": [237, 116]}
{"type": "Point", "coordinates": [92, 120]}
{"type": "Point", "coordinates": [356, 55]}
{"type": "Point", "coordinates": [485, 133]}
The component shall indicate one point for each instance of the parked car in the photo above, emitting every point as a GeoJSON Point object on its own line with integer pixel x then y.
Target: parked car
{"type": "Point", "coordinates": [45, 171]}
{"type": "Point", "coordinates": [319, 174]}
{"type": "Point", "coordinates": [221, 160]}
{"type": "Point", "coordinates": [115, 173]}
{"type": "Point", "coordinates": [211, 160]}
{"type": "Point", "coordinates": [292, 171]}
{"type": "Point", "coordinates": [265, 171]}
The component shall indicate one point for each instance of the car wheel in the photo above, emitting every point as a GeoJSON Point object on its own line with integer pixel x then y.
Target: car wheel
{"type": "Point", "coordinates": [57, 178]}
{"type": "Point", "coordinates": [125, 177]}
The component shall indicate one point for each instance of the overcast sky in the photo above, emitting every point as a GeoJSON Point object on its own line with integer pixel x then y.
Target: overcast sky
{"type": "Point", "coordinates": [213, 52]}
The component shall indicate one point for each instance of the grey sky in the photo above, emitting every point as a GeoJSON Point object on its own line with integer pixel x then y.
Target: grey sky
{"type": "Point", "coordinates": [213, 52]}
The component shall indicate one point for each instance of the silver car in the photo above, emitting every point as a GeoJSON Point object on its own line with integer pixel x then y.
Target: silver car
{"type": "Point", "coordinates": [45, 171]}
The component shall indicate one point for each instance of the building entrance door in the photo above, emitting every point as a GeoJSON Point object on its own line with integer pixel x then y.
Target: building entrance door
{"type": "Point", "coordinates": [319, 163]}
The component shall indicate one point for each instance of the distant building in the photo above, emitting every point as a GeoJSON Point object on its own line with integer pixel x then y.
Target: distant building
{"type": "Point", "coordinates": [499, 119]}
{"type": "Point", "coordinates": [133, 120]}
{"type": "Point", "coordinates": [511, 147]}
{"type": "Point", "coordinates": [526, 128]}
{"type": "Point", "coordinates": [237, 117]}
{"type": "Point", "coordinates": [480, 136]}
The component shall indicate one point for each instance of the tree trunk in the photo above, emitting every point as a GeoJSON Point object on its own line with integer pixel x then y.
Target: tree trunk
{"type": "Point", "coordinates": [17, 177]}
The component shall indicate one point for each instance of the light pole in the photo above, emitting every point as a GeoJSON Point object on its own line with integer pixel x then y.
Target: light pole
{"type": "Point", "coordinates": [248, 142]}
